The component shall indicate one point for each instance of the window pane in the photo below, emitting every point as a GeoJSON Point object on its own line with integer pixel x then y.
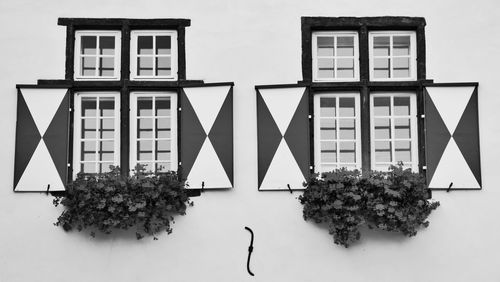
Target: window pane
{"type": "Point", "coordinates": [347, 129]}
{"type": "Point", "coordinates": [89, 106]}
{"type": "Point", "coordinates": [401, 45]}
{"type": "Point", "coordinates": [163, 45]}
{"type": "Point", "coordinates": [88, 151]}
{"type": "Point", "coordinates": [346, 107]}
{"type": "Point", "coordinates": [163, 145]}
{"type": "Point", "coordinates": [345, 68]}
{"type": "Point", "coordinates": [381, 45]}
{"type": "Point", "coordinates": [326, 74]}
{"type": "Point", "coordinates": [107, 107]}
{"type": "Point", "coordinates": [163, 66]}
{"type": "Point", "coordinates": [148, 167]}
{"type": "Point", "coordinates": [328, 146]}
{"type": "Point", "coordinates": [402, 106]}
{"type": "Point", "coordinates": [163, 128]}
{"type": "Point", "coordinates": [381, 106]}
{"type": "Point", "coordinates": [88, 66]}
{"type": "Point", "coordinates": [144, 106]}
{"type": "Point", "coordinates": [162, 167]}
{"type": "Point", "coordinates": [145, 66]}
{"type": "Point", "coordinates": [106, 150]}
{"type": "Point", "coordinates": [325, 46]}
{"type": "Point", "coordinates": [327, 107]}
{"type": "Point", "coordinates": [325, 63]}
{"type": "Point", "coordinates": [327, 123]}
{"type": "Point", "coordinates": [329, 157]}
{"type": "Point", "coordinates": [145, 44]}
{"type": "Point", "coordinates": [107, 128]}
{"type": "Point", "coordinates": [144, 150]}
{"type": "Point", "coordinates": [107, 45]}
{"type": "Point", "coordinates": [162, 156]}
{"type": "Point", "coordinates": [88, 45]}
{"type": "Point", "coordinates": [383, 151]}
{"type": "Point", "coordinates": [402, 128]}
{"type": "Point", "coordinates": [89, 128]}
{"type": "Point", "coordinates": [381, 68]}
{"type": "Point", "coordinates": [162, 106]}
{"type": "Point", "coordinates": [105, 167]}
{"type": "Point", "coordinates": [328, 134]}
{"type": "Point", "coordinates": [382, 128]}
{"type": "Point", "coordinates": [347, 152]}
{"type": "Point", "coordinates": [403, 151]}
{"type": "Point", "coordinates": [106, 66]}
{"type": "Point", "coordinates": [345, 46]}
{"type": "Point", "coordinates": [88, 168]}
{"type": "Point", "coordinates": [144, 128]}
{"type": "Point", "coordinates": [401, 67]}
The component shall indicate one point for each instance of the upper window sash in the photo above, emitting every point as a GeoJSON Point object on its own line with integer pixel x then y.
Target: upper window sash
{"type": "Point", "coordinates": [336, 143]}
{"type": "Point", "coordinates": [97, 55]}
{"type": "Point", "coordinates": [153, 55]}
{"type": "Point", "coordinates": [393, 55]}
{"type": "Point", "coordinates": [335, 56]}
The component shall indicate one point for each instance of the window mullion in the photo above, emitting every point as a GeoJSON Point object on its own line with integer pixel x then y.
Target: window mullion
{"type": "Point", "coordinates": [96, 134]}
{"type": "Point", "coordinates": [335, 57]}
{"type": "Point", "coordinates": [337, 102]}
{"type": "Point", "coordinates": [393, 138]}
{"type": "Point", "coordinates": [153, 116]}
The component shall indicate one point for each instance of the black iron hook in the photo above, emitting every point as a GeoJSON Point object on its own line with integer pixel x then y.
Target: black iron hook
{"type": "Point", "coordinates": [449, 187]}
{"type": "Point", "coordinates": [250, 250]}
{"type": "Point", "coordinates": [288, 185]}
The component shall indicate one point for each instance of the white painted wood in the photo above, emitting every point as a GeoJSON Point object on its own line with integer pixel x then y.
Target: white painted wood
{"type": "Point", "coordinates": [283, 170]}
{"type": "Point", "coordinates": [453, 168]}
{"type": "Point", "coordinates": [43, 104]}
{"type": "Point", "coordinates": [450, 103]}
{"type": "Point", "coordinates": [207, 168]}
{"type": "Point", "coordinates": [282, 104]}
{"type": "Point", "coordinates": [40, 172]}
{"type": "Point", "coordinates": [207, 102]}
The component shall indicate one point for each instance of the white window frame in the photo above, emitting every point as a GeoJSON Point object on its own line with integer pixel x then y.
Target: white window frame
{"type": "Point", "coordinates": [133, 54]}
{"type": "Point", "coordinates": [78, 55]}
{"type": "Point", "coordinates": [173, 127]}
{"type": "Point", "coordinates": [413, 130]}
{"type": "Point", "coordinates": [413, 54]}
{"type": "Point", "coordinates": [334, 34]}
{"type": "Point", "coordinates": [317, 129]}
{"type": "Point", "coordinates": [77, 127]}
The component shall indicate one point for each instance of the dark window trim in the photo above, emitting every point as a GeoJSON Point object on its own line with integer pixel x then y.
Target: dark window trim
{"type": "Point", "coordinates": [363, 26]}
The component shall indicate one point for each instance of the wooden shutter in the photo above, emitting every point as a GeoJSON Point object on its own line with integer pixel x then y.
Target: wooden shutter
{"type": "Point", "coordinates": [452, 136]}
{"type": "Point", "coordinates": [42, 134]}
{"type": "Point", "coordinates": [207, 136]}
{"type": "Point", "coordinates": [283, 138]}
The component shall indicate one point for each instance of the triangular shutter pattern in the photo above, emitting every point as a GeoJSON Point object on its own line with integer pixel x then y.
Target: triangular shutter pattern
{"type": "Point", "coordinates": [207, 136]}
{"type": "Point", "coordinates": [42, 134]}
{"type": "Point", "coordinates": [283, 138]}
{"type": "Point", "coordinates": [452, 137]}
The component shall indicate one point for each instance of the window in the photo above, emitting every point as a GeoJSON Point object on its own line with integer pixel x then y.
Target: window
{"type": "Point", "coordinates": [335, 56]}
{"type": "Point", "coordinates": [97, 55]}
{"type": "Point", "coordinates": [153, 131]}
{"type": "Point", "coordinates": [393, 55]}
{"type": "Point", "coordinates": [393, 127]}
{"type": "Point", "coordinates": [153, 54]}
{"type": "Point", "coordinates": [337, 131]}
{"type": "Point", "coordinates": [96, 132]}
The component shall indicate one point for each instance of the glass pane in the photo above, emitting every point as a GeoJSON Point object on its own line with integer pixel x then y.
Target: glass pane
{"type": "Point", "coordinates": [107, 45]}
{"type": "Point", "coordinates": [382, 128]}
{"type": "Point", "coordinates": [381, 106]}
{"type": "Point", "coordinates": [145, 45]}
{"type": "Point", "coordinates": [106, 66]}
{"type": "Point", "coordinates": [402, 106]}
{"type": "Point", "coordinates": [88, 45]}
{"type": "Point", "coordinates": [347, 129]}
{"type": "Point", "coordinates": [381, 68]}
{"type": "Point", "coordinates": [88, 168]}
{"type": "Point", "coordinates": [325, 64]}
{"type": "Point", "coordinates": [325, 46]}
{"type": "Point", "coordinates": [347, 152]}
{"type": "Point", "coordinates": [345, 73]}
{"type": "Point", "coordinates": [145, 150]}
{"type": "Point", "coordinates": [401, 45]}
{"type": "Point", "coordinates": [163, 66]}
{"type": "Point", "coordinates": [88, 151]}
{"type": "Point", "coordinates": [163, 156]}
{"type": "Point", "coordinates": [145, 106]}
{"type": "Point", "coordinates": [88, 65]}
{"type": "Point", "coordinates": [328, 157]}
{"type": "Point", "coordinates": [403, 151]}
{"type": "Point", "coordinates": [107, 107]}
{"type": "Point", "coordinates": [328, 146]}
{"type": "Point", "coordinates": [89, 128]}
{"type": "Point", "coordinates": [144, 66]}
{"type": "Point", "coordinates": [89, 106]}
{"type": "Point", "coordinates": [402, 128]}
{"type": "Point", "coordinates": [327, 123]}
{"type": "Point", "coordinates": [345, 68]}
{"type": "Point", "coordinates": [162, 128]}
{"type": "Point", "coordinates": [345, 46]}
{"type": "Point", "coordinates": [326, 74]}
{"type": "Point", "coordinates": [383, 151]}
{"type": "Point", "coordinates": [163, 45]}
{"type": "Point", "coordinates": [163, 145]}
{"type": "Point", "coordinates": [105, 167]}
{"type": "Point", "coordinates": [401, 67]}
{"type": "Point", "coordinates": [327, 107]}
{"type": "Point", "coordinates": [162, 106]}
{"type": "Point", "coordinates": [346, 107]}
{"type": "Point", "coordinates": [106, 128]}
{"type": "Point", "coordinates": [148, 167]}
{"type": "Point", "coordinates": [328, 134]}
{"type": "Point", "coordinates": [162, 167]}
{"type": "Point", "coordinates": [144, 128]}
{"type": "Point", "coordinates": [106, 146]}
{"type": "Point", "coordinates": [381, 45]}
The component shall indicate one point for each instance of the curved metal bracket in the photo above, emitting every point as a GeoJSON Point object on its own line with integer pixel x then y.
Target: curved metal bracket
{"type": "Point", "coordinates": [250, 250]}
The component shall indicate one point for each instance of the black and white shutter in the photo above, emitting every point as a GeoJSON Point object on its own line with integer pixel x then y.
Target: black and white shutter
{"type": "Point", "coordinates": [452, 137]}
{"type": "Point", "coordinates": [42, 132]}
{"type": "Point", "coordinates": [283, 138]}
{"type": "Point", "coordinates": [207, 136]}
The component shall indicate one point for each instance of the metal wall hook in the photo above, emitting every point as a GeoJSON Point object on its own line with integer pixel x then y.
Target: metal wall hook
{"type": "Point", "coordinates": [250, 250]}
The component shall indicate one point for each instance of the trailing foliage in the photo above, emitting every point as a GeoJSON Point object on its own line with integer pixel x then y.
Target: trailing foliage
{"type": "Point", "coordinates": [397, 201]}
{"type": "Point", "coordinates": [110, 201]}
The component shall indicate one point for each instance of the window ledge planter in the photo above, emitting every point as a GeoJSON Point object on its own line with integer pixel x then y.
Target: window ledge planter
{"type": "Point", "coordinates": [109, 201]}
{"type": "Point", "coordinates": [396, 201]}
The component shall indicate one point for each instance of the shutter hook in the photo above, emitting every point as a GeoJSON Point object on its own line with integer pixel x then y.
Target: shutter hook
{"type": "Point", "coordinates": [250, 250]}
{"type": "Point", "coordinates": [203, 186]}
{"type": "Point", "coordinates": [449, 187]}
{"type": "Point", "coordinates": [288, 185]}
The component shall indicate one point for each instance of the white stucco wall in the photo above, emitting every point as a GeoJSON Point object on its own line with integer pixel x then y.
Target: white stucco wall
{"type": "Point", "coordinates": [253, 42]}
